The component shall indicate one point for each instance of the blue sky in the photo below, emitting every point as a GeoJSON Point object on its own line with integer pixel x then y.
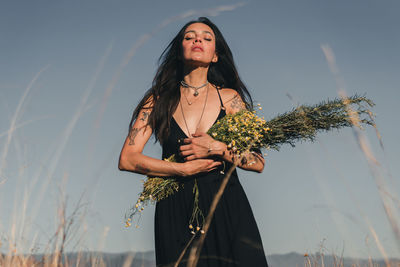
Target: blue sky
{"type": "Point", "coordinates": [73, 120]}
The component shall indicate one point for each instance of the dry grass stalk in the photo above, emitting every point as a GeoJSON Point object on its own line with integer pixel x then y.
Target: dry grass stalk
{"type": "Point", "coordinates": [196, 249]}
{"type": "Point", "coordinates": [373, 163]}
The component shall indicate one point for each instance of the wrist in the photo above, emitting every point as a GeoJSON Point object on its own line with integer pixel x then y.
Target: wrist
{"type": "Point", "coordinates": [180, 169]}
{"type": "Point", "coordinates": [217, 149]}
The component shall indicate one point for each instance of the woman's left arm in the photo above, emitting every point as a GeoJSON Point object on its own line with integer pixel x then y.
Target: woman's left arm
{"type": "Point", "coordinates": [203, 146]}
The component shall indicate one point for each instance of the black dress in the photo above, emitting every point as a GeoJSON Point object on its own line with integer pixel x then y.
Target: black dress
{"type": "Point", "coordinates": [233, 238]}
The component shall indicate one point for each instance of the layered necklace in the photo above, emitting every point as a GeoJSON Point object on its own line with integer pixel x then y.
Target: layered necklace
{"type": "Point", "coordinates": [202, 112]}
{"type": "Point", "coordinates": [195, 88]}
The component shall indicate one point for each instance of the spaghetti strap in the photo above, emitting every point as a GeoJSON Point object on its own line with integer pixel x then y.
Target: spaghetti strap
{"type": "Point", "coordinates": [220, 100]}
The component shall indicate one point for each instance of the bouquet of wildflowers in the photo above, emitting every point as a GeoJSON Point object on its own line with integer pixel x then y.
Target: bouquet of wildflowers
{"type": "Point", "coordinates": [245, 130]}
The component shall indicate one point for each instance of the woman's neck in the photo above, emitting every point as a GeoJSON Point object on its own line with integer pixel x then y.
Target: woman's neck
{"type": "Point", "coordinates": [196, 76]}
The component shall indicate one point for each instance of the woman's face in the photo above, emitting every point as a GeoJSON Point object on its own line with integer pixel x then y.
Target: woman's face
{"type": "Point", "coordinates": [199, 45]}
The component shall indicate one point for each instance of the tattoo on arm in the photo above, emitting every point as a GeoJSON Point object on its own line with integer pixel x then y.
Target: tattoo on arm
{"type": "Point", "coordinates": [247, 160]}
{"type": "Point", "coordinates": [145, 115]}
{"type": "Point", "coordinates": [250, 159]}
{"type": "Point", "coordinates": [237, 103]}
{"type": "Point", "coordinates": [141, 169]}
{"type": "Point", "coordinates": [132, 135]}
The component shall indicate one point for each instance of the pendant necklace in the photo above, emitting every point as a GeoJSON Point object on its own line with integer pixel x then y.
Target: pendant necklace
{"type": "Point", "coordinates": [201, 116]}
{"type": "Point", "coordinates": [196, 88]}
{"type": "Point", "coordinates": [187, 100]}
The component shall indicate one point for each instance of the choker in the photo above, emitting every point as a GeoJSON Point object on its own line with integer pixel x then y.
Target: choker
{"type": "Point", "coordinates": [196, 88]}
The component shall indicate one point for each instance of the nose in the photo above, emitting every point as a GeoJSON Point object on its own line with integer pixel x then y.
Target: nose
{"type": "Point", "coordinates": [197, 39]}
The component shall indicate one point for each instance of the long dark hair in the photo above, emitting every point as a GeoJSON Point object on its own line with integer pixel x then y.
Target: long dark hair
{"type": "Point", "coordinates": [164, 95]}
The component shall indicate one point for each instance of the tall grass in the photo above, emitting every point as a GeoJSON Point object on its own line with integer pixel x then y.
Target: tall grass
{"type": "Point", "coordinates": [20, 253]}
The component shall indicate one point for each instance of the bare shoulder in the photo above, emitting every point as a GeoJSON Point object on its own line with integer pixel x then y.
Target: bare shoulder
{"type": "Point", "coordinates": [232, 100]}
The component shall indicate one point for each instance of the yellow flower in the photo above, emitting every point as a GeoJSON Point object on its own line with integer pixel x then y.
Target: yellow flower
{"type": "Point", "coordinates": [214, 134]}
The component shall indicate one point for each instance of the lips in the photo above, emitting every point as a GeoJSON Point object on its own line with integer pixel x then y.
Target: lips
{"type": "Point", "coordinates": [197, 48]}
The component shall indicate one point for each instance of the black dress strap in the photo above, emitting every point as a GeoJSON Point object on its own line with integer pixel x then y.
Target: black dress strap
{"type": "Point", "coordinates": [220, 100]}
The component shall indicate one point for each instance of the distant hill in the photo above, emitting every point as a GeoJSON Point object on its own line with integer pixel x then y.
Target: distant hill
{"type": "Point", "coordinates": [295, 259]}
{"type": "Point", "coordinates": [88, 259]}
{"type": "Point", "coordinates": [147, 259]}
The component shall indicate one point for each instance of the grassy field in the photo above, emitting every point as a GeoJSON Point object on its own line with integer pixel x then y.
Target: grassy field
{"type": "Point", "coordinates": [17, 251]}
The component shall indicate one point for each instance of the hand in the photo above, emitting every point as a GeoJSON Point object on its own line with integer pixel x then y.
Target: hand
{"type": "Point", "coordinates": [199, 165]}
{"type": "Point", "coordinates": [198, 147]}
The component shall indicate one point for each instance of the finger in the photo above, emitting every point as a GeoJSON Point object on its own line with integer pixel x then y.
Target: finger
{"type": "Point", "coordinates": [212, 169]}
{"type": "Point", "coordinates": [191, 157]}
{"type": "Point", "coordinates": [215, 164]}
{"type": "Point", "coordinates": [186, 153]}
{"type": "Point", "coordinates": [185, 147]}
{"type": "Point", "coordinates": [187, 140]}
{"type": "Point", "coordinates": [198, 134]}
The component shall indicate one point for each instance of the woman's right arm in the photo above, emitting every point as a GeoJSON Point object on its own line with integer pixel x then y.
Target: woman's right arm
{"type": "Point", "coordinates": [131, 157]}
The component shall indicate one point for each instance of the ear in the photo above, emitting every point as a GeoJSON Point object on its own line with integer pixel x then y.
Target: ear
{"type": "Point", "coordinates": [215, 58]}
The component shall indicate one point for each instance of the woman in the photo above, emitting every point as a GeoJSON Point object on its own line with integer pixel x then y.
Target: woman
{"type": "Point", "coordinates": [195, 85]}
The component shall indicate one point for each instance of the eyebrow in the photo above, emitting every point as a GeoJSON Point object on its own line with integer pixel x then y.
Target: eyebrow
{"type": "Point", "coordinates": [202, 31]}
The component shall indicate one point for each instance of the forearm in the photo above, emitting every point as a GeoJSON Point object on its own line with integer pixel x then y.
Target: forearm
{"type": "Point", "coordinates": [249, 160]}
{"type": "Point", "coordinates": [139, 163]}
